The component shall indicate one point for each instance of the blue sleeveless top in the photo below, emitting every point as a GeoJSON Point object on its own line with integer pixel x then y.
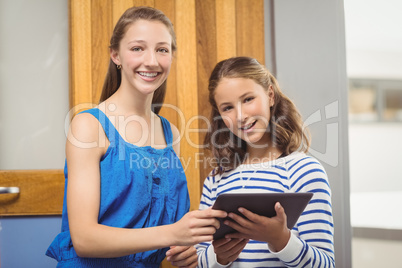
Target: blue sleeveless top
{"type": "Point", "coordinates": [140, 187]}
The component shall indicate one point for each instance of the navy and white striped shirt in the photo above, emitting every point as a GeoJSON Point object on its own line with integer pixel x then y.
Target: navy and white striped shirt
{"type": "Point", "coordinates": [311, 241]}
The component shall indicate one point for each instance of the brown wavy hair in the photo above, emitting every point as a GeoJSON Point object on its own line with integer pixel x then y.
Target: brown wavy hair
{"type": "Point", "coordinates": [286, 125]}
{"type": "Point", "coordinates": [113, 77]}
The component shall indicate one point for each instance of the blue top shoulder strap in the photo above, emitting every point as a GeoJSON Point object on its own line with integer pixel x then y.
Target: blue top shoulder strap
{"type": "Point", "coordinates": [108, 127]}
{"type": "Point", "coordinates": [167, 131]}
{"type": "Point", "coordinates": [112, 133]}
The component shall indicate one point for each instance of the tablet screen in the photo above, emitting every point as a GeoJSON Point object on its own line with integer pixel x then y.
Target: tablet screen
{"type": "Point", "coordinates": [261, 204]}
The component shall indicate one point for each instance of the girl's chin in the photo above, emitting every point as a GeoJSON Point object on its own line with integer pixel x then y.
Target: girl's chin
{"type": "Point", "coordinates": [257, 141]}
{"type": "Point", "coordinates": [148, 89]}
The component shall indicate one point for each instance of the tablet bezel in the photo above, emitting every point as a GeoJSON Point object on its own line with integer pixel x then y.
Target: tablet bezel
{"type": "Point", "coordinates": [261, 204]}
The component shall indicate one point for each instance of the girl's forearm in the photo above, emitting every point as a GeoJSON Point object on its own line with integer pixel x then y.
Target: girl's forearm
{"type": "Point", "coordinates": [101, 241]}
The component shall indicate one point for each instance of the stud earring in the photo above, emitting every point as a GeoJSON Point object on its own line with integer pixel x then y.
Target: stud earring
{"type": "Point", "coordinates": [118, 67]}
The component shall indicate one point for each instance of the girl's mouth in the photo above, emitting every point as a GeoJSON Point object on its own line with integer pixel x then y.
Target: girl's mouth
{"type": "Point", "coordinates": [148, 74]}
{"type": "Point", "coordinates": [248, 126]}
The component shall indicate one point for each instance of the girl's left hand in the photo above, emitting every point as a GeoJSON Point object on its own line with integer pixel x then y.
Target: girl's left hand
{"type": "Point", "coordinates": [273, 230]}
{"type": "Point", "coordinates": [182, 256]}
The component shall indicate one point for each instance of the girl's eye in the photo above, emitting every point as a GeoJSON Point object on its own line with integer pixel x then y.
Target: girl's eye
{"type": "Point", "coordinates": [137, 49]}
{"type": "Point", "coordinates": [227, 108]}
{"type": "Point", "coordinates": [248, 99]}
{"type": "Point", "coordinates": [163, 50]}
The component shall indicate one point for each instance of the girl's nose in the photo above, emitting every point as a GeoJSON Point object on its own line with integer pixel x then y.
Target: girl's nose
{"type": "Point", "coordinates": [150, 58]}
{"type": "Point", "coordinates": [241, 115]}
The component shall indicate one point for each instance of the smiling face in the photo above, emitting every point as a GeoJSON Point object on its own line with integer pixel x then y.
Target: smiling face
{"type": "Point", "coordinates": [145, 56]}
{"type": "Point", "coordinates": [245, 109]}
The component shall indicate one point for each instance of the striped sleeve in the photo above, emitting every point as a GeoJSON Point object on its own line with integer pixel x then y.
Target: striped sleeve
{"type": "Point", "coordinates": [311, 243]}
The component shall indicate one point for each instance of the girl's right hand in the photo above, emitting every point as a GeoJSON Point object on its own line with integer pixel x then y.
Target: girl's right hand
{"type": "Point", "coordinates": [228, 249]}
{"type": "Point", "coordinates": [197, 226]}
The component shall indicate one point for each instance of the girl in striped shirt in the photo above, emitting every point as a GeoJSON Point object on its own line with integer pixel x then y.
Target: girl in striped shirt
{"type": "Point", "coordinates": [259, 144]}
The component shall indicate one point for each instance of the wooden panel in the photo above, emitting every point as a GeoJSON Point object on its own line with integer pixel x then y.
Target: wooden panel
{"type": "Point", "coordinates": [80, 52]}
{"type": "Point", "coordinates": [170, 111]}
{"type": "Point", "coordinates": [102, 27]}
{"type": "Point", "coordinates": [250, 29]}
{"type": "Point", "coordinates": [206, 60]}
{"type": "Point", "coordinates": [187, 92]}
{"type": "Point", "coordinates": [119, 6]}
{"type": "Point", "coordinates": [150, 3]}
{"type": "Point", "coordinates": [226, 29]}
{"type": "Point", "coordinates": [41, 192]}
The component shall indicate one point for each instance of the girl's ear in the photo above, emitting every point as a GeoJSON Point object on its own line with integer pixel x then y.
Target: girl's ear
{"type": "Point", "coordinates": [271, 96]}
{"type": "Point", "coordinates": [114, 55]}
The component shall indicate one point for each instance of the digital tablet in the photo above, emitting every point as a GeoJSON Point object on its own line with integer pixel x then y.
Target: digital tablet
{"type": "Point", "coordinates": [261, 204]}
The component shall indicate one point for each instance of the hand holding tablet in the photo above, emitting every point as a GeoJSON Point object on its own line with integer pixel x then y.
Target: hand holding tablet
{"type": "Point", "coordinates": [261, 204]}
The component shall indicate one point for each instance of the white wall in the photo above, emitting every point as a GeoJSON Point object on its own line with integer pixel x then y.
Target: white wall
{"type": "Point", "coordinates": [311, 69]}
{"type": "Point", "coordinates": [33, 83]}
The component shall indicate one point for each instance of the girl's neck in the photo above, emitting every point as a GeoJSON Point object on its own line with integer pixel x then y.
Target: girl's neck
{"type": "Point", "coordinates": [126, 102]}
{"type": "Point", "coordinates": [259, 155]}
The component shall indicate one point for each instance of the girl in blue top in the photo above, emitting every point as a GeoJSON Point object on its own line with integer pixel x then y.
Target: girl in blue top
{"type": "Point", "coordinates": [126, 197]}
